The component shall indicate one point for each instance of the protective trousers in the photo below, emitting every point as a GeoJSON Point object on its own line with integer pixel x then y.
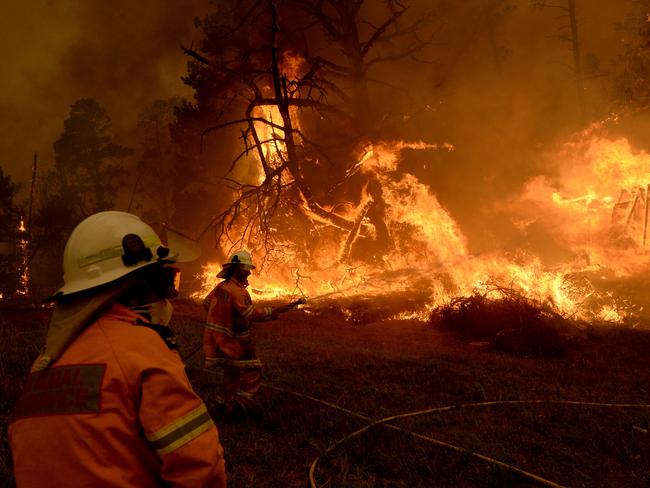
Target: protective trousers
{"type": "Point", "coordinates": [227, 342]}
{"type": "Point", "coordinates": [239, 385]}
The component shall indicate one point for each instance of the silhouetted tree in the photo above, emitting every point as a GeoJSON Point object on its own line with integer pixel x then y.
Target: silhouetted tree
{"type": "Point", "coordinates": [87, 174]}
{"type": "Point", "coordinates": [571, 36]}
{"type": "Point", "coordinates": [632, 84]}
{"type": "Point", "coordinates": [88, 163]}
{"type": "Point", "coordinates": [499, 52]}
{"type": "Point", "coordinates": [153, 188]}
{"type": "Point", "coordinates": [9, 236]}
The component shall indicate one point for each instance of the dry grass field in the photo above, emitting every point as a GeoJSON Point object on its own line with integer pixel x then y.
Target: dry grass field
{"type": "Point", "coordinates": [335, 367]}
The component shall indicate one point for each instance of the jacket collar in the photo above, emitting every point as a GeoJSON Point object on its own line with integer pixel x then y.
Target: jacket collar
{"type": "Point", "coordinates": [118, 311]}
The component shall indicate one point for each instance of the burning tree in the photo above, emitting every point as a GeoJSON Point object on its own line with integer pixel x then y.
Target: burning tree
{"type": "Point", "coordinates": [289, 117]}
{"type": "Point", "coordinates": [308, 167]}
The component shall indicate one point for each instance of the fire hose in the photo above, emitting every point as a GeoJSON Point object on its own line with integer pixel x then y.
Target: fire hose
{"type": "Point", "coordinates": [301, 301]}
{"type": "Point", "coordinates": [384, 422]}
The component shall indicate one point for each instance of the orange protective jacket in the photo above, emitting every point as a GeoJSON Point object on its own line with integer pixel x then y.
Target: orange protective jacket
{"type": "Point", "coordinates": [226, 338]}
{"type": "Point", "coordinates": [116, 410]}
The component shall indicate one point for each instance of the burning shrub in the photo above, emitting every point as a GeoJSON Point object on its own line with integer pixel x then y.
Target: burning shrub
{"type": "Point", "coordinates": [358, 311]}
{"type": "Point", "coordinates": [511, 323]}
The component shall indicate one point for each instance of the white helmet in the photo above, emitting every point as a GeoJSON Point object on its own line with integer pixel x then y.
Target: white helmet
{"type": "Point", "coordinates": [107, 246]}
{"type": "Point", "coordinates": [241, 258]}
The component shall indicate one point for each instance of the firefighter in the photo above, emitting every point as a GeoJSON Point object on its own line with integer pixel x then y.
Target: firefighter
{"type": "Point", "coordinates": [107, 402]}
{"type": "Point", "coordinates": [227, 339]}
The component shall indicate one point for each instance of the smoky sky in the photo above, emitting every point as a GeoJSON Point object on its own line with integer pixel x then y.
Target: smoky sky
{"type": "Point", "coordinates": [123, 53]}
{"type": "Point", "coordinates": [496, 82]}
{"type": "Point", "coordinates": [503, 117]}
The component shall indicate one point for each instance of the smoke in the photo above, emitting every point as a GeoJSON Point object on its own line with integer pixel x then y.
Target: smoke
{"type": "Point", "coordinates": [502, 90]}
{"type": "Point", "coordinates": [125, 54]}
{"type": "Point", "coordinates": [496, 81]}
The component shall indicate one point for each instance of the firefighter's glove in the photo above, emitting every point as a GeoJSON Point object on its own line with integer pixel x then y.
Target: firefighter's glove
{"type": "Point", "coordinates": [300, 301]}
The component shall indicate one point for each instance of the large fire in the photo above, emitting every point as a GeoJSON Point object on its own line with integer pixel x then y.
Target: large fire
{"type": "Point", "coordinates": [595, 207]}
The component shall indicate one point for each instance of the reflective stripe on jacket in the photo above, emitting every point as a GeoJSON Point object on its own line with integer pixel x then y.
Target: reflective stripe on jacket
{"type": "Point", "coordinates": [116, 410]}
{"type": "Point", "coordinates": [226, 338]}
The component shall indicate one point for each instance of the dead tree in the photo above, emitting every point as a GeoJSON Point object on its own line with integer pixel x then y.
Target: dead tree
{"type": "Point", "coordinates": [341, 22]}
{"type": "Point", "coordinates": [572, 38]}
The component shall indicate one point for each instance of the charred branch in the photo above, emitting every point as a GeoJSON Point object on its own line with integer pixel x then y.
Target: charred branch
{"type": "Point", "coordinates": [380, 31]}
{"type": "Point", "coordinates": [393, 57]}
{"type": "Point", "coordinates": [354, 232]}
{"type": "Point", "coordinates": [330, 24]}
{"type": "Point", "coordinates": [193, 54]}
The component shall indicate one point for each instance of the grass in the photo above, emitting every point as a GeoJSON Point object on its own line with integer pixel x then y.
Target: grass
{"type": "Point", "coordinates": [353, 354]}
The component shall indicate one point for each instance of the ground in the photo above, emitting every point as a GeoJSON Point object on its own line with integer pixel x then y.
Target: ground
{"type": "Point", "coordinates": [331, 367]}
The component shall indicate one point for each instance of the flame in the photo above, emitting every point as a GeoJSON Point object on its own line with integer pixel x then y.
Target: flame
{"type": "Point", "coordinates": [292, 66]}
{"type": "Point", "coordinates": [271, 137]}
{"type": "Point", "coordinates": [594, 202]}
{"type": "Point", "coordinates": [23, 288]}
{"type": "Point", "coordinates": [598, 203]}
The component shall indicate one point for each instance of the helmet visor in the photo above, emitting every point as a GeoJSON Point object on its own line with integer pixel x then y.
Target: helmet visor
{"type": "Point", "coordinates": [182, 249]}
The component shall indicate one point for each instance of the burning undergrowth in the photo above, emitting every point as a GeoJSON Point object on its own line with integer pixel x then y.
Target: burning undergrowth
{"type": "Point", "coordinates": [359, 311]}
{"type": "Point", "coordinates": [389, 234]}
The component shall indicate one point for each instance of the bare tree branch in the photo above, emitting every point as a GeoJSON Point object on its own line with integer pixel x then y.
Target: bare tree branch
{"type": "Point", "coordinates": [380, 31]}
{"type": "Point", "coordinates": [192, 53]}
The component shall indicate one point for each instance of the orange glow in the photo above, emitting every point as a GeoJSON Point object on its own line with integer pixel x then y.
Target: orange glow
{"type": "Point", "coordinates": [595, 206]}
{"type": "Point", "coordinates": [292, 65]}
{"type": "Point", "coordinates": [23, 288]}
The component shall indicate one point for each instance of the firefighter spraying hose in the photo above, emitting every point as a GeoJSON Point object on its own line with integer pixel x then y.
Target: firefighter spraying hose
{"type": "Point", "coordinates": [289, 306]}
{"type": "Point", "coordinates": [227, 341]}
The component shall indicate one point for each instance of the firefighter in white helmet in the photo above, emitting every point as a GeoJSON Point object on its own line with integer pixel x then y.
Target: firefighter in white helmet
{"type": "Point", "coordinates": [227, 339]}
{"type": "Point", "coordinates": [107, 402]}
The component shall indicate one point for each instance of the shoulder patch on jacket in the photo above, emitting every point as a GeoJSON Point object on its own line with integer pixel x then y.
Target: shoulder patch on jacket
{"type": "Point", "coordinates": [62, 390]}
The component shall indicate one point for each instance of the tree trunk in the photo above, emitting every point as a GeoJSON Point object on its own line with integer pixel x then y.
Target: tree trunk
{"type": "Point", "coordinates": [577, 62]}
